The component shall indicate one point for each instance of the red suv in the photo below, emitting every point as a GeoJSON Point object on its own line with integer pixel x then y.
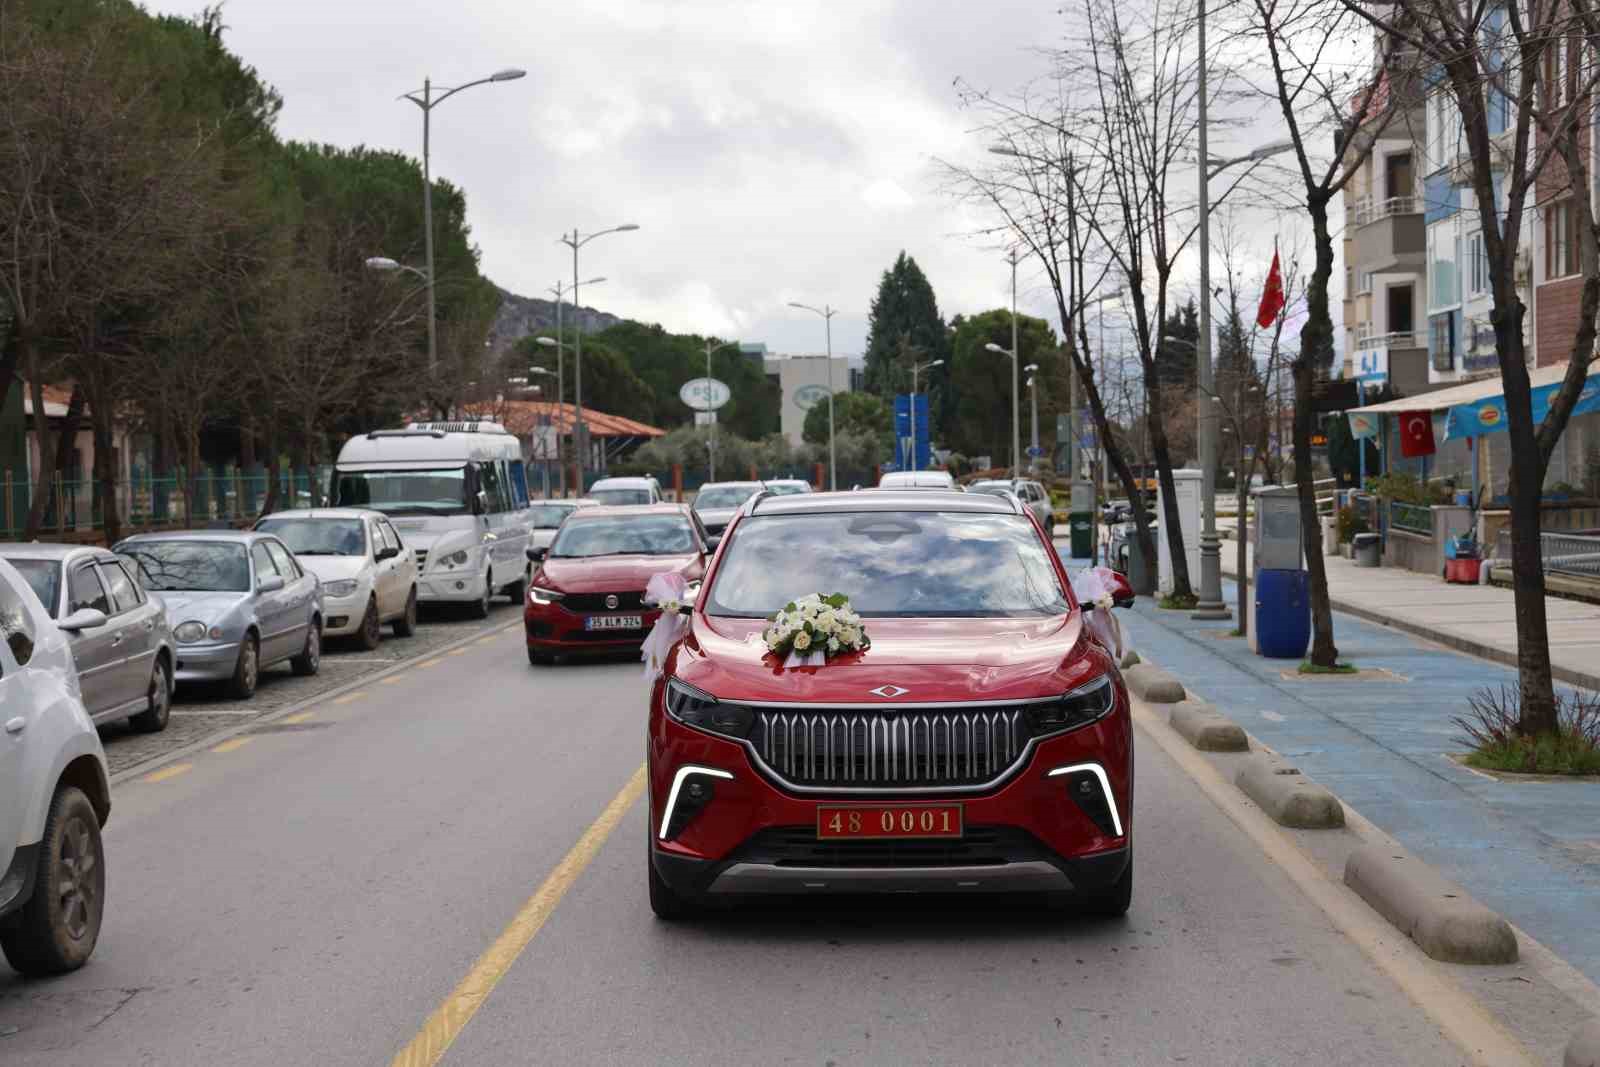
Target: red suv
{"type": "Point", "coordinates": [587, 589]}
{"type": "Point", "coordinates": [981, 743]}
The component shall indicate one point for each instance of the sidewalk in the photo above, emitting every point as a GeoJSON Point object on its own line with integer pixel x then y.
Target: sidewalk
{"type": "Point", "coordinates": [1479, 619]}
{"type": "Point", "coordinates": [1528, 849]}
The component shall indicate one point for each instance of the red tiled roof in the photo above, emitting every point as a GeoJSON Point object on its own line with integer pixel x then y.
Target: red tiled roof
{"type": "Point", "coordinates": [521, 416]}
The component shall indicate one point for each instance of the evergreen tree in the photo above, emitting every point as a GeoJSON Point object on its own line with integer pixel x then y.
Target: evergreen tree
{"type": "Point", "coordinates": [904, 326]}
{"type": "Point", "coordinates": [1175, 358]}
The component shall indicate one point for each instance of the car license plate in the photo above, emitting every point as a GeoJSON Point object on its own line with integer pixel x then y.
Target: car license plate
{"type": "Point", "coordinates": [888, 820]}
{"type": "Point", "coordinates": [614, 622]}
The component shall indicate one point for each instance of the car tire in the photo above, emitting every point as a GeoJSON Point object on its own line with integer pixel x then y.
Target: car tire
{"type": "Point", "coordinates": [309, 661]}
{"type": "Point", "coordinates": [480, 607]}
{"type": "Point", "coordinates": [667, 903]}
{"type": "Point", "coordinates": [537, 658]}
{"type": "Point", "coordinates": [518, 590]}
{"type": "Point", "coordinates": [154, 718]}
{"type": "Point", "coordinates": [247, 671]}
{"type": "Point", "coordinates": [56, 930]}
{"type": "Point", "coordinates": [406, 625]}
{"type": "Point", "coordinates": [371, 631]}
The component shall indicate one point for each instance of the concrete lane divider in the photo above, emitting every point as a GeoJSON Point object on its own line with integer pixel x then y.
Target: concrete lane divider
{"type": "Point", "coordinates": [1437, 914]}
{"type": "Point", "coordinates": [1129, 658]}
{"type": "Point", "coordinates": [1152, 684]}
{"type": "Point", "coordinates": [1207, 729]}
{"type": "Point", "coordinates": [1584, 1048]}
{"type": "Point", "coordinates": [1289, 797]}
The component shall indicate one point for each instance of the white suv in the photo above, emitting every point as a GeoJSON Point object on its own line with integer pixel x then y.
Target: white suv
{"type": "Point", "coordinates": [54, 794]}
{"type": "Point", "coordinates": [623, 491]}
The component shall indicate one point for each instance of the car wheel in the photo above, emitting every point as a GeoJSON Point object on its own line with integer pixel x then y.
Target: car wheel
{"type": "Point", "coordinates": [518, 590]}
{"type": "Point", "coordinates": [480, 608]}
{"type": "Point", "coordinates": [309, 661]}
{"type": "Point", "coordinates": [159, 708]}
{"type": "Point", "coordinates": [247, 672]}
{"type": "Point", "coordinates": [406, 625]}
{"type": "Point", "coordinates": [1113, 901]}
{"type": "Point", "coordinates": [56, 930]}
{"type": "Point", "coordinates": [665, 901]}
{"type": "Point", "coordinates": [371, 629]}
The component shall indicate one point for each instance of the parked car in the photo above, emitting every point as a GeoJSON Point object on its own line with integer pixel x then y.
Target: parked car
{"type": "Point", "coordinates": [587, 592]}
{"type": "Point", "coordinates": [548, 516]}
{"type": "Point", "coordinates": [787, 486]}
{"type": "Point", "coordinates": [368, 577]}
{"type": "Point", "coordinates": [918, 480]}
{"type": "Point", "coordinates": [717, 502]}
{"type": "Point", "coordinates": [978, 745]}
{"type": "Point", "coordinates": [617, 492]}
{"type": "Point", "coordinates": [55, 794]}
{"type": "Point", "coordinates": [1034, 497]}
{"type": "Point", "coordinates": [120, 638]}
{"type": "Point", "coordinates": [237, 600]}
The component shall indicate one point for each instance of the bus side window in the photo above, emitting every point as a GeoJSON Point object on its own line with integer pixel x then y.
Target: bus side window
{"type": "Point", "coordinates": [491, 482]}
{"type": "Point", "coordinates": [519, 485]}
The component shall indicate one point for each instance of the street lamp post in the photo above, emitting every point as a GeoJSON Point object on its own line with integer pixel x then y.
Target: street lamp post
{"type": "Point", "coordinates": [827, 312]}
{"type": "Point", "coordinates": [575, 241]}
{"type": "Point", "coordinates": [1033, 400]}
{"type": "Point", "coordinates": [425, 99]}
{"type": "Point", "coordinates": [917, 368]}
{"type": "Point", "coordinates": [559, 344]}
{"type": "Point", "coordinates": [1003, 351]}
{"type": "Point", "coordinates": [711, 416]}
{"type": "Point", "coordinates": [1012, 258]}
{"type": "Point", "coordinates": [1097, 478]}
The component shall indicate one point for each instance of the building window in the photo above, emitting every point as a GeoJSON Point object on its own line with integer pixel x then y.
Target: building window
{"type": "Point", "coordinates": [1364, 285]}
{"type": "Point", "coordinates": [1442, 341]}
{"type": "Point", "coordinates": [1560, 253]}
{"type": "Point", "coordinates": [1444, 261]}
{"type": "Point", "coordinates": [1478, 263]}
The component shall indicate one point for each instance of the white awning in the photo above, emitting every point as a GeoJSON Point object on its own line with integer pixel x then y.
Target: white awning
{"type": "Point", "coordinates": [1468, 393]}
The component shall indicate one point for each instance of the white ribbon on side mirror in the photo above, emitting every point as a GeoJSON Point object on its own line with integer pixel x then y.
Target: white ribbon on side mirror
{"type": "Point", "coordinates": [1093, 590]}
{"type": "Point", "coordinates": [670, 593]}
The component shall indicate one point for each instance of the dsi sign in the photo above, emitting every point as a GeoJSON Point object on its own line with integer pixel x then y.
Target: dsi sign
{"type": "Point", "coordinates": [809, 396]}
{"type": "Point", "coordinates": [705, 394]}
{"type": "Point", "coordinates": [1372, 364]}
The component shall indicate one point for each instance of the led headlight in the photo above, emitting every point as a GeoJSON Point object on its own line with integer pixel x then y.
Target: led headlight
{"type": "Point", "coordinates": [1088, 703]}
{"type": "Point", "coordinates": [190, 632]}
{"type": "Point", "coordinates": [342, 587]}
{"type": "Point", "coordinates": [538, 594]}
{"type": "Point", "coordinates": [703, 711]}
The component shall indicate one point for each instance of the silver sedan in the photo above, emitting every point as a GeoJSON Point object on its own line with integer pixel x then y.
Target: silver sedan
{"type": "Point", "coordinates": [237, 601]}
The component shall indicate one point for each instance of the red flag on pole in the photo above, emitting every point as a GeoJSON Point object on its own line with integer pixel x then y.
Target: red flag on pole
{"type": "Point", "coordinates": [1416, 434]}
{"type": "Point", "coordinates": [1272, 297]}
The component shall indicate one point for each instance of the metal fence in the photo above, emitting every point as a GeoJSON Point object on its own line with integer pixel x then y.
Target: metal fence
{"type": "Point", "coordinates": [1574, 554]}
{"type": "Point", "coordinates": [1412, 518]}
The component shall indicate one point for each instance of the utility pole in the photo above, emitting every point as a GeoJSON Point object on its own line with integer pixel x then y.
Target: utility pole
{"type": "Point", "coordinates": [1016, 380]}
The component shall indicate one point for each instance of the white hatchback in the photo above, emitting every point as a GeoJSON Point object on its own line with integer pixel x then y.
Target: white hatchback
{"type": "Point", "coordinates": [55, 794]}
{"type": "Point", "coordinates": [369, 577]}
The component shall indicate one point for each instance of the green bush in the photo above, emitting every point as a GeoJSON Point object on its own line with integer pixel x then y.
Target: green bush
{"type": "Point", "coordinates": [1496, 744]}
{"type": "Point", "coordinates": [1409, 489]}
{"type": "Point", "coordinates": [1350, 522]}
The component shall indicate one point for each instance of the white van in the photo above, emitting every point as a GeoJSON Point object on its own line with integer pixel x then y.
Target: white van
{"type": "Point", "coordinates": [457, 492]}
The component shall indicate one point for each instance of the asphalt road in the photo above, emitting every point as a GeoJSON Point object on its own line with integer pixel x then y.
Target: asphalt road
{"type": "Point", "coordinates": [314, 894]}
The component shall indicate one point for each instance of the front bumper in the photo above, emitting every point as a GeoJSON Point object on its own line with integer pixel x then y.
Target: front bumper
{"type": "Point", "coordinates": [342, 615]}
{"type": "Point", "coordinates": [552, 628]}
{"type": "Point", "coordinates": [454, 587]}
{"type": "Point", "coordinates": [206, 663]}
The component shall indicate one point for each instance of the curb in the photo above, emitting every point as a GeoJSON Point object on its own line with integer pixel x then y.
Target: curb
{"type": "Point", "coordinates": [1584, 1048]}
{"type": "Point", "coordinates": [1152, 684]}
{"type": "Point", "coordinates": [1289, 797]}
{"type": "Point", "coordinates": [1445, 922]}
{"type": "Point", "coordinates": [210, 740]}
{"type": "Point", "coordinates": [1206, 728]}
{"type": "Point", "coordinates": [1129, 658]}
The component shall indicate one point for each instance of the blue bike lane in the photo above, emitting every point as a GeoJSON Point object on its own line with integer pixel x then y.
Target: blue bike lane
{"type": "Point", "coordinates": [1530, 849]}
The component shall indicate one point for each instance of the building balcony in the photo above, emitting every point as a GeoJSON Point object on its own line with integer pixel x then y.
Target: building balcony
{"type": "Point", "coordinates": [1390, 236]}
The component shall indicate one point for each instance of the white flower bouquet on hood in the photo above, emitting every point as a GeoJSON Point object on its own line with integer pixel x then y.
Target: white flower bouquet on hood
{"type": "Point", "coordinates": [813, 629]}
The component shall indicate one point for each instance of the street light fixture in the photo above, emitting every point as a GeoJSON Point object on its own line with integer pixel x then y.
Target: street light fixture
{"type": "Point", "coordinates": [558, 291]}
{"type": "Point", "coordinates": [1033, 399]}
{"type": "Point", "coordinates": [917, 368]}
{"type": "Point", "coordinates": [575, 241]}
{"type": "Point", "coordinates": [711, 416]}
{"type": "Point", "coordinates": [827, 312]}
{"type": "Point", "coordinates": [386, 265]}
{"type": "Point", "coordinates": [425, 99]}
{"type": "Point", "coordinates": [1016, 432]}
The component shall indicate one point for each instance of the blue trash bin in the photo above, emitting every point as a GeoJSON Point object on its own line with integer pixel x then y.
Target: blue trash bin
{"type": "Point", "coordinates": [1283, 613]}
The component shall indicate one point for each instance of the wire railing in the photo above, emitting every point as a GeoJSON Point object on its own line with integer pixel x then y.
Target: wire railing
{"type": "Point", "coordinates": [1412, 518]}
{"type": "Point", "coordinates": [1576, 555]}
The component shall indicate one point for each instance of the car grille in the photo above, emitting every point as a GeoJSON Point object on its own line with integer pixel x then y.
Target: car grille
{"type": "Point", "coordinates": [868, 749]}
{"type": "Point", "coordinates": [422, 557]}
{"type": "Point", "coordinates": [591, 603]}
{"type": "Point", "coordinates": [978, 846]}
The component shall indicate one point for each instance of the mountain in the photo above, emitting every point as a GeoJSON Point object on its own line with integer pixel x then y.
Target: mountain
{"type": "Point", "coordinates": [524, 316]}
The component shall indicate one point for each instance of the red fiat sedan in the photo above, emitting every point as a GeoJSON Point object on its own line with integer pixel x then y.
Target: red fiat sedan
{"type": "Point", "coordinates": [587, 590]}
{"type": "Point", "coordinates": [981, 743]}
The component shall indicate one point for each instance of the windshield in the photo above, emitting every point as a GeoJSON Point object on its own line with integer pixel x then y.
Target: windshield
{"type": "Point", "coordinates": [621, 496]}
{"type": "Point", "coordinates": [421, 492]}
{"type": "Point", "coordinates": [625, 535]}
{"type": "Point", "coordinates": [549, 516]}
{"type": "Point", "coordinates": [787, 488]}
{"type": "Point", "coordinates": [44, 578]}
{"type": "Point", "coordinates": [190, 566]}
{"type": "Point", "coordinates": [728, 496]}
{"type": "Point", "coordinates": [319, 537]}
{"type": "Point", "coordinates": [918, 564]}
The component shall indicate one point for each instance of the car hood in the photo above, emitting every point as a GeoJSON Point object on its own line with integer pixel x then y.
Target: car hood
{"type": "Point", "coordinates": [934, 660]}
{"type": "Point", "coordinates": [334, 568]}
{"type": "Point", "coordinates": [609, 574]}
{"type": "Point", "coordinates": [181, 607]}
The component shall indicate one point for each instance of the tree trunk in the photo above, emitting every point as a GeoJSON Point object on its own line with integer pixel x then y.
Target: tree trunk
{"type": "Point", "coordinates": [1241, 554]}
{"type": "Point", "coordinates": [1315, 339]}
{"type": "Point", "coordinates": [1181, 589]}
{"type": "Point", "coordinates": [191, 473]}
{"type": "Point", "coordinates": [102, 419]}
{"type": "Point", "coordinates": [274, 472]}
{"type": "Point", "coordinates": [1119, 463]}
{"type": "Point", "coordinates": [54, 452]}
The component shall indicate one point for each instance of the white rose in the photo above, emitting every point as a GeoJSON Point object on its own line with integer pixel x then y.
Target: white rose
{"type": "Point", "coordinates": [802, 641]}
{"type": "Point", "coordinates": [833, 644]}
{"type": "Point", "coordinates": [849, 635]}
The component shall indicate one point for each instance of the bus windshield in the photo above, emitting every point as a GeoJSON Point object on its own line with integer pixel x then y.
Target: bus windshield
{"type": "Point", "coordinates": [411, 492]}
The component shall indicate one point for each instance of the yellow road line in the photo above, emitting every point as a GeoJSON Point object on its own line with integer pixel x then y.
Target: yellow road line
{"type": "Point", "coordinates": [457, 652]}
{"type": "Point", "coordinates": [452, 1016]}
{"type": "Point", "coordinates": [392, 679]}
{"type": "Point", "coordinates": [231, 744]}
{"type": "Point", "coordinates": [430, 662]}
{"type": "Point", "coordinates": [300, 717]}
{"type": "Point", "coordinates": [168, 772]}
{"type": "Point", "coordinates": [348, 697]}
{"type": "Point", "coordinates": [485, 640]}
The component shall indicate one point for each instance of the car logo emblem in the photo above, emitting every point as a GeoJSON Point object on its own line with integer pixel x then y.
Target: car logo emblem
{"type": "Point", "coordinates": [611, 600]}
{"type": "Point", "coordinates": [888, 691]}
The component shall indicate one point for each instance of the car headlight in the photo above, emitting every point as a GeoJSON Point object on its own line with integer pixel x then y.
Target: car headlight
{"type": "Point", "coordinates": [192, 631]}
{"type": "Point", "coordinates": [451, 560]}
{"type": "Point", "coordinates": [703, 711]}
{"type": "Point", "coordinates": [342, 587]}
{"type": "Point", "coordinates": [538, 594]}
{"type": "Point", "coordinates": [1088, 703]}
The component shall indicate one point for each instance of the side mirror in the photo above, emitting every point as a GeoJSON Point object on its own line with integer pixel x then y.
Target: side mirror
{"type": "Point", "coordinates": [83, 619]}
{"type": "Point", "coordinates": [387, 552]}
{"type": "Point", "coordinates": [534, 554]}
{"type": "Point", "coordinates": [480, 503]}
{"type": "Point", "coordinates": [1121, 591]}
{"type": "Point", "coordinates": [270, 584]}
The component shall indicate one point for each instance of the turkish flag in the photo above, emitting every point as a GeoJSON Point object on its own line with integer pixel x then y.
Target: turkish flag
{"type": "Point", "coordinates": [1272, 297]}
{"type": "Point", "coordinates": [1416, 434]}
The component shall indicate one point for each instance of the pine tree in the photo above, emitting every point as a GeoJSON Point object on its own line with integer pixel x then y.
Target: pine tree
{"type": "Point", "coordinates": [904, 324]}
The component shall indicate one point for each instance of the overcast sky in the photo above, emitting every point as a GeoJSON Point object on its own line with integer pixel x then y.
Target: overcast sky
{"type": "Point", "coordinates": [769, 151]}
